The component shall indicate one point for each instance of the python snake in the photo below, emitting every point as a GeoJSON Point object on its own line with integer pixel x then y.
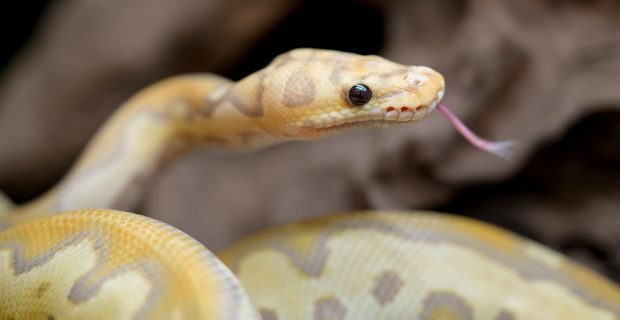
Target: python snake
{"type": "Point", "coordinates": [60, 259]}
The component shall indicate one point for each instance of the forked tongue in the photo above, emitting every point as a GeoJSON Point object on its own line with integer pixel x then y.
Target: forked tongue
{"type": "Point", "coordinates": [504, 149]}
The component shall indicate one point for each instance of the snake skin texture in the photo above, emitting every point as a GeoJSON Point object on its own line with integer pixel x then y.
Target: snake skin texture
{"type": "Point", "coordinates": [61, 259]}
{"type": "Point", "coordinates": [99, 264]}
{"type": "Point", "coordinates": [413, 265]}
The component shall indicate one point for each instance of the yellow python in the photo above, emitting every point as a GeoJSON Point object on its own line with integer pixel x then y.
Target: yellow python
{"type": "Point", "coordinates": [103, 264]}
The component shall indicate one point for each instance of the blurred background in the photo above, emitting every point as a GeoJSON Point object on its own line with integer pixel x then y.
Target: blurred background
{"type": "Point", "coordinates": [546, 72]}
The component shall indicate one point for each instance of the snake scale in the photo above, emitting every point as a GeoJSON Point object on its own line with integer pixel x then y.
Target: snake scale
{"type": "Point", "coordinates": [61, 259]}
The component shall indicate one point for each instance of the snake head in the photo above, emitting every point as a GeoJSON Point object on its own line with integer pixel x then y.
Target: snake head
{"type": "Point", "coordinates": [309, 93]}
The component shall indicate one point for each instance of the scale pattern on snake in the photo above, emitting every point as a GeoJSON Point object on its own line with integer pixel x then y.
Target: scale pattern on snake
{"type": "Point", "coordinates": [104, 264]}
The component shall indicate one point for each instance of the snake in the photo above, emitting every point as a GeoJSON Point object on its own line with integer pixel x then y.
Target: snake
{"type": "Point", "coordinates": [77, 253]}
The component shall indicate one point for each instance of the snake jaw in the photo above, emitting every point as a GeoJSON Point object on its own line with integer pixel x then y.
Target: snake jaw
{"type": "Point", "coordinates": [379, 116]}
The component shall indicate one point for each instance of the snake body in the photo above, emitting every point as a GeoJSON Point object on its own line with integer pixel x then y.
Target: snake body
{"type": "Point", "coordinates": [102, 264]}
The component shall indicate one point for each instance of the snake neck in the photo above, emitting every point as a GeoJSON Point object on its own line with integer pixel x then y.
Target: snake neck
{"type": "Point", "coordinates": [155, 126]}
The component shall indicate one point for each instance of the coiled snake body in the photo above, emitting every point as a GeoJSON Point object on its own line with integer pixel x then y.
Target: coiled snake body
{"type": "Point", "coordinates": [102, 264]}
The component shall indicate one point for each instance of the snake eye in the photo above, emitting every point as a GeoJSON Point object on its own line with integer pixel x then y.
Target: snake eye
{"type": "Point", "coordinates": [359, 94]}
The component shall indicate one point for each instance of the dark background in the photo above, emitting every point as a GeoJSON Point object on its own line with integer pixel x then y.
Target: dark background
{"type": "Point", "coordinates": [17, 25]}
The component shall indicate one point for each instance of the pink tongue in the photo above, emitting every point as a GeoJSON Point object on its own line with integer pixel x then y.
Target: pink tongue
{"type": "Point", "coordinates": [504, 149]}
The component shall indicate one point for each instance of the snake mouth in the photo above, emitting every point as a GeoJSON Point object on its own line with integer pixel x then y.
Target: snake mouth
{"type": "Point", "coordinates": [375, 117]}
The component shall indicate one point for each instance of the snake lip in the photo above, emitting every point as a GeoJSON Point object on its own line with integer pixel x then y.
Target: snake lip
{"type": "Point", "coordinates": [359, 125]}
{"type": "Point", "coordinates": [375, 117]}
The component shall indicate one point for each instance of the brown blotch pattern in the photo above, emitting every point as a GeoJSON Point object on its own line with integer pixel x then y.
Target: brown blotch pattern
{"type": "Point", "coordinates": [42, 289]}
{"type": "Point", "coordinates": [329, 309]}
{"type": "Point", "coordinates": [444, 305]}
{"type": "Point", "coordinates": [268, 314]}
{"type": "Point", "coordinates": [248, 109]}
{"type": "Point", "coordinates": [299, 90]}
{"type": "Point", "coordinates": [313, 262]}
{"type": "Point", "coordinates": [387, 286]}
{"type": "Point", "coordinates": [86, 286]}
{"type": "Point", "coordinates": [209, 106]}
{"type": "Point", "coordinates": [247, 95]}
